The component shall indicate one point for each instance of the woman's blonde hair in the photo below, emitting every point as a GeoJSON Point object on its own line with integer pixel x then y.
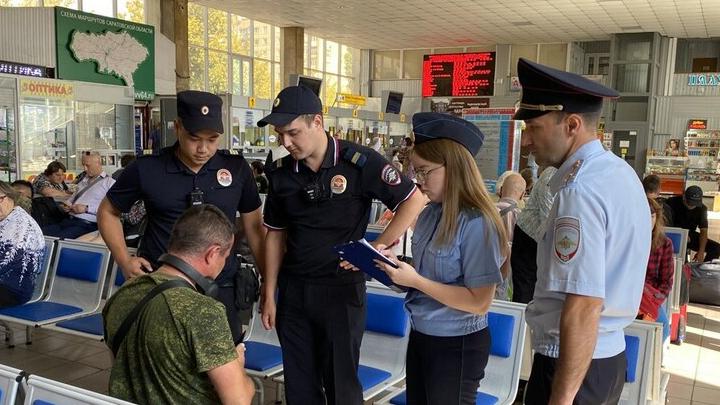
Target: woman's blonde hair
{"type": "Point", "coordinates": [464, 189]}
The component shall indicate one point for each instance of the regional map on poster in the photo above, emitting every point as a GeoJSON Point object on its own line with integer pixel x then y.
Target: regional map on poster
{"type": "Point", "coordinates": [116, 53]}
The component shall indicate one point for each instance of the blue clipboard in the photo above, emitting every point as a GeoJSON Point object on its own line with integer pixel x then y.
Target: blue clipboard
{"type": "Point", "coordinates": [362, 255]}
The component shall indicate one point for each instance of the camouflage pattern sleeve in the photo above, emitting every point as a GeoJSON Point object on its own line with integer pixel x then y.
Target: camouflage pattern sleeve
{"type": "Point", "coordinates": [210, 337]}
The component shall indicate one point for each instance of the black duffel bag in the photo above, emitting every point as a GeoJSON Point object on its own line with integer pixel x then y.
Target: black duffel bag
{"type": "Point", "coordinates": [705, 284]}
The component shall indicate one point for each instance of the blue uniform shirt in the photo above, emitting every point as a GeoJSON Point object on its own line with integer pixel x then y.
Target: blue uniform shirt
{"type": "Point", "coordinates": [472, 259]}
{"type": "Point", "coordinates": [596, 243]}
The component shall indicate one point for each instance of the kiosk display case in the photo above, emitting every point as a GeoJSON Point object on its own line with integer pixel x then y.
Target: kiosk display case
{"type": "Point", "coordinates": [702, 148]}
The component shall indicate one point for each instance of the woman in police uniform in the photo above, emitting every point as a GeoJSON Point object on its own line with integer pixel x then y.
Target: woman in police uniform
{"type": "Point", "coordinates": [459, 246]}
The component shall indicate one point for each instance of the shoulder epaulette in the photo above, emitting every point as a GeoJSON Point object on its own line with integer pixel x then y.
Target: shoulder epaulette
{"type": "Point", "coordinates": [572, 174]}
{"type": "Point", "coordinates": [355, 157]}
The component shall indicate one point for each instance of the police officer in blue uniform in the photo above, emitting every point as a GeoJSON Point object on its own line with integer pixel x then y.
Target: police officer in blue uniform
{"type": "Point", "coordinates": [592, 258]}
{"type": "Point", "coordinates": [193, 171]}
{"type": "Point", "coordinates": [320, 195]}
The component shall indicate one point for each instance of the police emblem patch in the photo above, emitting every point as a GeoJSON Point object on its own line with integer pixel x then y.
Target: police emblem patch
{"type": "Point", "coordinates": [390, 175]}
{"type": "Point", "coordinates": [224, 177]}
{"type": "Point", "coordinates": [338, 184]}
{"type": "Point", "coordinates": [567, 238]}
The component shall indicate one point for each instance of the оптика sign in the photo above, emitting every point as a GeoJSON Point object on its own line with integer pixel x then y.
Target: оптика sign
{"type": "Point", "coordinates": [99, 49]}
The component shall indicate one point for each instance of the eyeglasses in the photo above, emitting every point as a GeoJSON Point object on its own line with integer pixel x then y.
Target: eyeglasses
{"type": "Point", "coordinates": [422, 175]}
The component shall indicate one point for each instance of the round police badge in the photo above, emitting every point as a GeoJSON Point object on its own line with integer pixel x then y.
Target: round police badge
{"type": "Point", "coordinates": [338, 184]}
{"type": "Point", "coordinates": [567, 238]}
{"type": "Point", "coordinates": [390, 175]}
{"type": "Point", "coordinates": [205, 110]}
{"type": "Point", "coordinates": [224, 177]}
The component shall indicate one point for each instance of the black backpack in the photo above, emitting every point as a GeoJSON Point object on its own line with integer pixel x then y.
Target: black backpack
{"type": "Point", "coordinates": [46, 211]}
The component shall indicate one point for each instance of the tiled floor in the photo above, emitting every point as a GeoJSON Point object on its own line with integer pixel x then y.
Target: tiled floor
{"type": "Point", "coordinates": [694, 366]}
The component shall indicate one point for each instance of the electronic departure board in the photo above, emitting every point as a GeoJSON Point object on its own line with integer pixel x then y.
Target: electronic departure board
{"type": "Point", "coordinates": [458, 74]}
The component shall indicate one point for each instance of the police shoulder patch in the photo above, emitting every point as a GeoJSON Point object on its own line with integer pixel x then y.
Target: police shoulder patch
{"type": "Point", "coordinates": [566, 238]}
{"type": "Point", "coordinates": [390, 175]}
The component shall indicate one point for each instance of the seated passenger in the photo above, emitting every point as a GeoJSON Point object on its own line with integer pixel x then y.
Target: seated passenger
{"type": "Point", "coordinates": [651, 184]}
{"type": "Point", "coordinates": [21, 250]}
{"type": "Point", "coordinates": [511, 193]}
{"type": "Point", "coordinates": [25, 191]}
{"type": "Point", "coordinates": [459, 245]}
{"type": "Point", "coordinates": [689, 212]}
{"type": "Point", "coordinates": [82, 206]}
{"type": "Point", "coordinates": [660, 272]}
{"type": "Point", "coordinates": [179, 348]}
{"type": "Point", "coordinates": [51, 182]}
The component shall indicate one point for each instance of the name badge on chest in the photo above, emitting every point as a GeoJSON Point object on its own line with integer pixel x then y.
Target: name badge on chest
{"type": "Point", "coordinates": [224, 177]}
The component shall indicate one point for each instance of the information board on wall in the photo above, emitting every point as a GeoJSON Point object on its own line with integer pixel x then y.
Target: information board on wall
{"type": "Point", "coordinates": [501, 148]}
{"type": "Point", "coordinates": [459, 75]}
{"type": "Point", "coordinates": [99, 49]}
{"type": "Point", "coordinates": [455, 106]}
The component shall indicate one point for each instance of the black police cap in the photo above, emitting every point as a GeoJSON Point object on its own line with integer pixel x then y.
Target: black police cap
{"type": "Point", "coordinates": [291, 103]}
{"type": "Point", "coordinates": [199, 110]}
{"type": "Point", "coordinates": [545, 89]}
{"type": "Point", "coordinates": [432, 125]}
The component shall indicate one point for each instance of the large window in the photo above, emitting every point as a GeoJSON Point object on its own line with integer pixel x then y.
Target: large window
{"type": "Point", "coordinates": [334, 63]}
{"type": "Point", "coordinates": [131, 10]}
{"type": "Point", "coordinates": [232, 54]}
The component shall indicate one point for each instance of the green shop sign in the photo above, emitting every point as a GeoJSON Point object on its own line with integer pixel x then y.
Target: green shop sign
{"type": "Point", "coordinates": [99, 49]}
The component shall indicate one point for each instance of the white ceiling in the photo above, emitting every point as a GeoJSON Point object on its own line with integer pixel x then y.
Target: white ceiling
{"type": "Point", "coordinates": [384, 24]}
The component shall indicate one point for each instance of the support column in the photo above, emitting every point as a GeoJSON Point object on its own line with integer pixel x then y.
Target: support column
{"type": "Point", "coordinates": [293, 52]}
{"type": "Point", "coordinates": [178, 26]}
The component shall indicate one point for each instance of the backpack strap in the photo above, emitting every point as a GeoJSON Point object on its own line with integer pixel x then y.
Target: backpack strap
{"type": "Point", "coordinates": [507, 209]}
{"type": "Point", "coordinates": [137, 310]}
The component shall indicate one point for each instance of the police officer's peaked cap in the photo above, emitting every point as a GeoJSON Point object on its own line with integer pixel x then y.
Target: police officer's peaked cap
{"type": "Point", "coordinates": [199, 110]}
{"type": "Point", "coordinates": [291, 103]}
{"type": "Point", "coordinates": [545, 89]}
{"type": "Point", "coordinates": [432, 125]}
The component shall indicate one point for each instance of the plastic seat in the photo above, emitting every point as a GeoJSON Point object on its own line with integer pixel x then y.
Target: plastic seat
{"type": "Point", "coordinates": [506, 321]}
{"type": "Point", "coordinates": [43, 391]}
{"type": "Point", "coordinates": [643, 375]}
{"type": "Point", "coordinates": [91, 325]}
{"type": "Point", "coordinates": [482, 399]}
{"type": "Point", "coordinates": [8, 384]}
{"type": "Point", "coordinates": [75, 288]}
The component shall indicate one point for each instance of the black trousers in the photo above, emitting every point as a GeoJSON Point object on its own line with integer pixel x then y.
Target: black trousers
{"type": "Point", "coordinates": [602, 384]}
{"type": "Point", "coordinates": [446, 370]}
{"type": "Point", "coordinates": [712, 248]}
{"type": "Point", "coordinates": [524, 266]}
{"type": "Point", "coordinates": [320, 328]}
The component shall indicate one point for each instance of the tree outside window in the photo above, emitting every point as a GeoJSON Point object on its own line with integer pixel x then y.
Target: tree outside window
{"type": "Point", "coordinates": [131, 10]}
{"type": "Point", "coordinates": [196, 24]}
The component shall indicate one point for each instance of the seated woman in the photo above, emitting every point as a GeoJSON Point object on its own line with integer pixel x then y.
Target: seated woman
{"type": "Point", "coordinates": [660, 272]}
{"type": "Point", "coordinates": [51, 182]}
{"type": "Point", "coordinates": [458, 247]}
{"type": "Point", "coordinates": [21, 250]}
